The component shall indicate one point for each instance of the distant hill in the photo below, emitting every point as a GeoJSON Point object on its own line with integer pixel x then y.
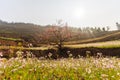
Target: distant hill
{"type": "Point", "coordinates": [26, 31]}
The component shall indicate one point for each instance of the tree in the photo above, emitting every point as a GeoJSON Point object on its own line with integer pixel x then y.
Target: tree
{"type": "Point", "coordinates": [118, 25]}
{"type": "Point", "coordinates": [108, 28]}
{"type": "Point", "coordinates": [57, 34]}
{"type": "Point", "coordinates": [103, 29]}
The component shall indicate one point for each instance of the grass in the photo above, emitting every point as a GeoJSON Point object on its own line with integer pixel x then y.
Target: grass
{"type": "Point", "coordinates": [10, 39]}
{"type": "Point", "coordinates": [108, 44]}
{"type": "Point", "coordinates": [62, 69]}
{"type": "Point", "coordinates": [24, 48]}
{"type": "Point", "coordinates": [102, 38]}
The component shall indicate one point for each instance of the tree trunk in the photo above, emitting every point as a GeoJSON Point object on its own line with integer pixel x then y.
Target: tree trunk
{"type": "Point", "coordinates": [60, 48]}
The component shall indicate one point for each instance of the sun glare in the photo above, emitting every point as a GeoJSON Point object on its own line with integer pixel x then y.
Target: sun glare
{"type": "Point", "coordinates": [79, 13]}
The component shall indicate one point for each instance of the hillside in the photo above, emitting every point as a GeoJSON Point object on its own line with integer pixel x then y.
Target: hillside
{"type": "Point", "coordinates": [26, 31]}
{"type": "Point", "coordinates": [110, 36]}
{"type": "Point", "coordinates": [29, 32]}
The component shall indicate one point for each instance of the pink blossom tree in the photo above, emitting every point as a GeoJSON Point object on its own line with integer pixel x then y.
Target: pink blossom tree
{"type": "Point", "coordinates": [57, 34]}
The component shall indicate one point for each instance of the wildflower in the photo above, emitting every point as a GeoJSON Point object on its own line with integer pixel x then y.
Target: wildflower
{"type": "Point", "coordinates": [78, 56]}
{"type": "Point", "coordinates": [68, 52]}
{"type": "Point", "coordinates": [104, 75]}
{"type": "Point", "coordinates": [113, 76]}
{"type": "Point", "coordinates": [88, 53]}
{"type": "Point", "coordinates": [49, 54]}
{"type": "Point", "coordinates": [1, 54]}
{"type": "Point", "coordinates": [88, 70]}
{"type": "Point", "coordinates": [19, 53]}
{"type": "Point", "coordinates": [99, 55]}
{"type": "Point", "coordinates": [1, 72]}
{"type": "Point", "coordinates": [13, 70]}
{"type": "Point", "coordinates": [70, 55]}
{"type": "Point", "coordinates": [118, 74]}
{"type": "Point", "coordinates": [119, 64]}
{"type": "Point", "coordinates": [29, 54]}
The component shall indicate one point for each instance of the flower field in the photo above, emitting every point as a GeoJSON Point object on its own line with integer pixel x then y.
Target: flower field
{"type": "Point", "coordinates": [62, 69]}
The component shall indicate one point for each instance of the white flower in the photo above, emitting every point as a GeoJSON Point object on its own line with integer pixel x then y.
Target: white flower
{"type": "Point", "coordinates": [88, 70]}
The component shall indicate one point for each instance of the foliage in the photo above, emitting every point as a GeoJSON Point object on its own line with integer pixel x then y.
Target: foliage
{"type": "Point", "coordinates": [63, 69]}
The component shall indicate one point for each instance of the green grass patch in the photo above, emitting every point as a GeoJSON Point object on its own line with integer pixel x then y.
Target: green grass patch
{"type": "Point", "coordinates": [10, 39]}
{"type": "Point", "coordinates": [26, 48]}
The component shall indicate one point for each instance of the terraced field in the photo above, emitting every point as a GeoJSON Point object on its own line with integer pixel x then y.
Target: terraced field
{"type": "Point", "coordinates": [107, 44]}
{"type": "Point", "coordinates": [115, 35]}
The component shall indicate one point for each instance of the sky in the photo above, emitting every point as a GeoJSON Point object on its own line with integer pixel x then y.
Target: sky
{"type": "Point", "coordinates": [77, 13]}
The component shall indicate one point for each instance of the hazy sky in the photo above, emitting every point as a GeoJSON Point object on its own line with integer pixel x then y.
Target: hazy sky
{"type": "Point", "coordinates": [78, 13]}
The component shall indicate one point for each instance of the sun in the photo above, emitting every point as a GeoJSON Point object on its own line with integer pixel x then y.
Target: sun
{"type": "Point", "coordinates": [79, 13]}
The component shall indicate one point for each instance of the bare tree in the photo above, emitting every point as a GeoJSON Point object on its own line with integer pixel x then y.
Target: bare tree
{"type": "Point", "coordinates": [57, 34]}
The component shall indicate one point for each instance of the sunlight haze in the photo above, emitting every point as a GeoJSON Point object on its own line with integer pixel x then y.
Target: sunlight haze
{"type": "Point", "coordinates": [77, 13]}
